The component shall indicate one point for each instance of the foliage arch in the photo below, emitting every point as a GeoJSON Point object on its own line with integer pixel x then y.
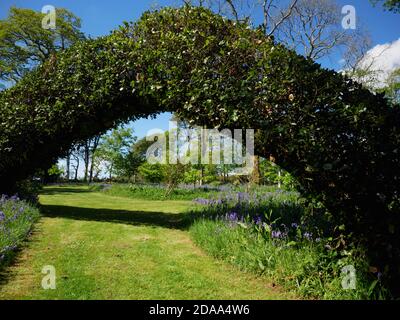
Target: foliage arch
{"type": "Point", "coordinates": [338, 139]}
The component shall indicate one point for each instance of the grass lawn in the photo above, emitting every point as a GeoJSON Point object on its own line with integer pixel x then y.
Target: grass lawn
{"type": "Point", "coordinates": [107, 247]}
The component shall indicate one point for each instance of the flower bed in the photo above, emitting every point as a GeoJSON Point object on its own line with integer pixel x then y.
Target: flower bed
{"type": "Point", "coordinates": [16, 220]}
{"type": "Point", "coordinates": [268, 233]}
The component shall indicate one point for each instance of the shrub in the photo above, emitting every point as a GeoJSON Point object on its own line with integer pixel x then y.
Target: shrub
{"type": "Point", "coordinates": [152, 173]}
{"type": "Point", "coordinates": [29, 190]}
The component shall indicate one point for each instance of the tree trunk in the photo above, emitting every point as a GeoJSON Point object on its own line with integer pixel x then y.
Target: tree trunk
{"type": "Point", "coordinates": [95, 145]}
{"type": "Point", "coordinates": [77, 169]}
{"type": "Point", "coordinates": [68, 164]}
{"type": "Point", "coordinates": [256, 176]}
{"type": "Point", "coordinates": [91, 171]}
{"type": "Point", "coordinates": [87, 155]}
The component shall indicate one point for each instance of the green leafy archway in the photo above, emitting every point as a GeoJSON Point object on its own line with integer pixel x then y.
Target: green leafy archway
{"type": "Point", "coordinates": [338, 139]}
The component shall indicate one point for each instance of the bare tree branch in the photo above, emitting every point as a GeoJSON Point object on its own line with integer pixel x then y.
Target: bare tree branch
{"type": "Point", "coordinates": [283, 18]}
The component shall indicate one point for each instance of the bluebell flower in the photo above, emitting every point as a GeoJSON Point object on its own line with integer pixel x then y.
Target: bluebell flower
{"type": "Point", "coordinates": [276, 234]}
{"type": "Point", "coordinates": [233, 216]}
{"type": "Point", "coordinates": [307, 235]}
{"type": "Point", "coordinates": [257, 220]}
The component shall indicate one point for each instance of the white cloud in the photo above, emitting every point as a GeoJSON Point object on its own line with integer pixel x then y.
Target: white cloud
{"type": "Point", "coordinates": [383, 59]}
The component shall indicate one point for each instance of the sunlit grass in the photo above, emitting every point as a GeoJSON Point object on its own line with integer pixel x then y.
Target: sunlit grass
{"type": "Point", "coordinates": [107, 247]}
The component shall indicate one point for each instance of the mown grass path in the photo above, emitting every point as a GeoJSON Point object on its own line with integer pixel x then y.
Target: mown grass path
{"type": "Point", "coordinates": [105, 247]}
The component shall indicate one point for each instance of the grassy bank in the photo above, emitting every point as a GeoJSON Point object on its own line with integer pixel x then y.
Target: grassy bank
{"type": "Point", "coordinates": [266, 233]}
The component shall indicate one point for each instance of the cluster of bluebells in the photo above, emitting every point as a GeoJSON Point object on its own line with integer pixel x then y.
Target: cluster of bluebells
{"type": "Point", "coordinates": [16, 219]}
{"type": "Point", "coordinates": [206, 187]}
{"type": "Point", "coordinates": [245, 208]}
{"type": "Point", "coordinates": [246, 198]}
{"type": "Point", "coordinates": [206, 202]}
{"type": "Point", "coordinates": [277, 232]}
{"type": "Point", "coordinates": [228, 198]}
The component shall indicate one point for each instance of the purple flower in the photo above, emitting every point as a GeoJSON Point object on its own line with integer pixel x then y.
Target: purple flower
{"type": "Point", "coordinates": [276, 234]}
{"type": "Point", "coordinates": [2, 216]}
{"type": "Point", "coordinates": [14, 198]}
{"type": "Point", "coordinates": [308, 236]}
{"type": "Point", "coordinates": [257, 220]}
{"type": "Point", "coordinates": [295, 225]}
{"type": "Point", "coordinates": [242, 196]}
{"type": "Point", "coordinates": [233, 216]}
{"type": "Point", "coordinates": [201, 201]}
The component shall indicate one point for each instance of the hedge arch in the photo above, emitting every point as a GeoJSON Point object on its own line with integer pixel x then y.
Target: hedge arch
{"type": "Point", "coordinates": [338, 139]}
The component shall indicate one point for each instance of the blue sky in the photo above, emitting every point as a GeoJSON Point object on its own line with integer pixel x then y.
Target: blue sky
{"type": "Point", "coordinates": [99, 17]}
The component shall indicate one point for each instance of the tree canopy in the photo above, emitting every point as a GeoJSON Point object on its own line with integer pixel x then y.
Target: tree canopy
{"type": "Point", "coordinates": [24, 43]}
{"type": "Point", "coordinates": [339, 140]}
{"type": "Point", "coordinates": [391, 5]}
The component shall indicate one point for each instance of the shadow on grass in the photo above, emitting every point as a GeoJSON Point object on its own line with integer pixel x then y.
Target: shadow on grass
{"type": "Point", "coordinates": [130, 217]}
{"type": "Point", "coordinates": [179, 221]}
{"type": "Point", "coordinates": [61, 190]}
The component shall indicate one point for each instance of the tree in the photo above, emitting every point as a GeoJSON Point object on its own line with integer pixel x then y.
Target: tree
{"type": "Point", "coordinates": [24, 43]}
{"type": "Point", "coordinates": [173, 175]}
{"type": "Point", "coordinates": [53, 174]}
{"type": "Point", "coordinates": [273, 174]}
{"type": "Point", "coordinates": [353, 61]}
{"type": "Point", "coordinates": [89, 148]}
{"type": "Point", "coordinates": [129, 164]}
{"type": "Point", "coordinates": [73, 160]}
{"type": "Point", "coordinates": [192, 176]}
{"type": "Point", "coordinates": [315, 30]}
{"type": "Point", "coordinates": [273, 12]}
{"type": "Point", "coordinates": [392, 86]}
{"type": "Point", "coordinates": [152, 173]}
{"type": "Point", "coordinates": [113, 148]}
{"type": "Point", "coordinates": [391, 5]}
